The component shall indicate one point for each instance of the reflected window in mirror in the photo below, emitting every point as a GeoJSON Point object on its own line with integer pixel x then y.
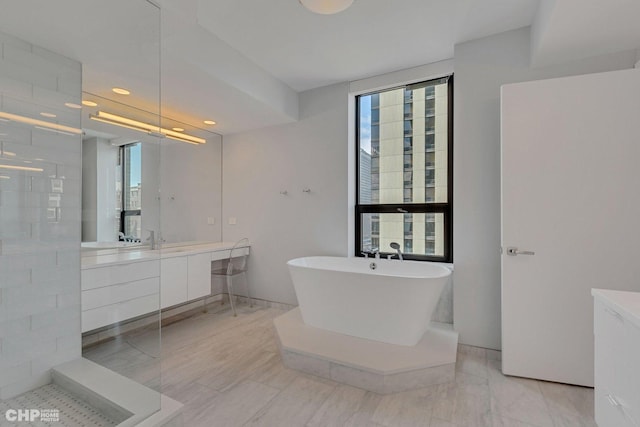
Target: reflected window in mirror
{"type": "Point", "coordinates": [129, 192]}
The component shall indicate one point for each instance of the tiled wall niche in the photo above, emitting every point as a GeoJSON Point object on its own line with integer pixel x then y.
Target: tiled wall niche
{"type": "Point", "coordinates": [40, 199]}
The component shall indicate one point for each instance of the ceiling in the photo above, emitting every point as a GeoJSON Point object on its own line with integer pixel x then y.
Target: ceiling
{"type": "Point", "coordinates": [306, 50]}
{"type": "Point", "coordinates": [566, 30]}
{"type": "Point", "coordinates": [243, 63]}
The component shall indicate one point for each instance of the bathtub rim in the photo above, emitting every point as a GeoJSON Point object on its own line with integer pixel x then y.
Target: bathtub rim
{"type": "Point", "coordinates": [447, 267]}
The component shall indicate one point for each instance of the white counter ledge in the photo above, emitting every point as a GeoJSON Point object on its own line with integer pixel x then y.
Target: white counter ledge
{"type": "Point", "coordinates": [624, 302]}
{"type": "Point", "coordinates": [103, 258]}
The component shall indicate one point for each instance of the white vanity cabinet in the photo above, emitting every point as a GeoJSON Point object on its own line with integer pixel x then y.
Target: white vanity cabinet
{"type": "Point", "coordinates": [114, 293]}
{"type": "Point", "coordinates": [617, 358]}
{"type": "Point", "coordinates": [173, 281]}
{"type": "Point", "coordinates": [185, 278]}
{"type": "Point", "coordinates": [121, 286]}
{"type": "Point", "coordinates": [199, 276]}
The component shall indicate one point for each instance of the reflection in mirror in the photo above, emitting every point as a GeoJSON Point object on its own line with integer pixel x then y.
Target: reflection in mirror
{"type": "Point", "coordinates": [123, 148]}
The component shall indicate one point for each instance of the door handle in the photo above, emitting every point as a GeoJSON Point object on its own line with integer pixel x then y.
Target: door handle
{"type": "Point", "coordinates": [512, 251]}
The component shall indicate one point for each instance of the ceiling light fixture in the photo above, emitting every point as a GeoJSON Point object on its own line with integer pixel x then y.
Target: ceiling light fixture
{"type": "Point", "coordinates": [178, 129]}
{"type": "Point", "coordinates": [39, 123]}
{"type": "Point", "coordinates": [72, 105]}
{"type": "Point", "coordinates": [50, 115]}
{"type": "Point", "coordinates": [89, 103]}
{"type": "Point", "coordinates": [209, 122]}
{"type": "Point", "coordinates": [326, 7]}
{"type": "Point", "coordinates": [120, 91]}
{"type": "Point", "coordinates": [149, 129]}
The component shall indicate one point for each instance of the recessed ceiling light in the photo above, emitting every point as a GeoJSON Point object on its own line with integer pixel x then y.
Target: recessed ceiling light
{"type": "Point", "coordinates": [48, 115]}
{"type": "Point", "coordinates": [89, 103]}
{"type": "Point", "coordinates": [121, 91]}
{"type": "Point", "coordinates": [209, 122]}
{"type": "Point", "coordinates": [178, 129]}
{"type": "Point", "coordinates": [72, 105]}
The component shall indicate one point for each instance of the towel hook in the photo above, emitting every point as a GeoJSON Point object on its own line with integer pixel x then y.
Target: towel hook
{"type": "Point", "coordinates": [306, 190]}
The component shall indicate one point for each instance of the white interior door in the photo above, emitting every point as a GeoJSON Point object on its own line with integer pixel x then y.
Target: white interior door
{"type": "Point", "coordinates": [571, 194]}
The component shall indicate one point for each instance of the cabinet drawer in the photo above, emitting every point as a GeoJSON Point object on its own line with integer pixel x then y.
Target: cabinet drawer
{"type": "Point", "coordinates": [95, 277]}
{"type": "Point", "coordinates": [120, 273]}
{"type": "Point", "coordinates": [113, 294]}
{"type": "Point", "coordinates": [114, 313]}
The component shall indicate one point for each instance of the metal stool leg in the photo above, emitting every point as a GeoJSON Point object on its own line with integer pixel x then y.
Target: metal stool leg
{"type": "Point", "coordinates": [230, 290]}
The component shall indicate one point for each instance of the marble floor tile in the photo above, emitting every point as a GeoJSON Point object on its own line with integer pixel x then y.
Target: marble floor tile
{"type": "Point", "coordinates": [362, 416]}
{"type": "Point", "coordinates": [235, 407]}
{"type": "Point", "coordinates": [494, 354]}
{"type": "Point", "coordinates": [516, 398]}
{"type": "Point", "coordinates": [437, 422]}
{"type": "Point", "coordinates": [295, 405]}
{"type": "Point", "coordinates": [232, 371]}
{"type": "Point", "coordinates": [228, 372]}
{"type": "Point", "coordinates": [274, 374]}
{"type": "Point", "coordinates": [197, 400]}
{"type": "Point", "coordinates": [407, 409]}
{"type": "Point", "coordinates": [472, 360]}
{"type": "Point", "coordinates": [471, 409]}
{"type": "Point", "coordinates": [341, 405]}
{"type": "Point", "coordinates": [569, 406]}
{"type": "Point", "coordinates": [499, 421]}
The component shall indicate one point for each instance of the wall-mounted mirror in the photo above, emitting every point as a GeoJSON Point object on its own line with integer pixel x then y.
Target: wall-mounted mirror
{"type": "Point", "coordinates": [134, 169]}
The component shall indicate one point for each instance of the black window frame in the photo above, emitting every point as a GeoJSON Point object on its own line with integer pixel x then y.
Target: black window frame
{"type": "Point", "coordinates": [436, 208]}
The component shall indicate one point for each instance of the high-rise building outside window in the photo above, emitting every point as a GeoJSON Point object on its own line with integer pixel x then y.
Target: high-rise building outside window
{"type": "Point", "coordinates": [404, 143]}
{"type": "Point", "coordinates": [130, 192]}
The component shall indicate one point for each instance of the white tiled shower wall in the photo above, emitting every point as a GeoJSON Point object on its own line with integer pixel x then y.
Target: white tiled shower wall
{"type": "Point", "coordinates": [39, 216]}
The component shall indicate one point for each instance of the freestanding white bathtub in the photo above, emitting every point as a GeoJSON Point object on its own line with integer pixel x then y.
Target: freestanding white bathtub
{"type": "Point", "coordinates": [392, 303]}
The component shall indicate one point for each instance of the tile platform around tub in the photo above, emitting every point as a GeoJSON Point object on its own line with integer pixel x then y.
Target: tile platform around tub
{"type": "Point", "coordinates": [371, 365]}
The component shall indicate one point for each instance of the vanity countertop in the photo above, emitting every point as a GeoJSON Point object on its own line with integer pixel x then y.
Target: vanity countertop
{"type": "Point", "coordinates": [105, 257]}
{"type": "Point", "coordinates": [626, 303]}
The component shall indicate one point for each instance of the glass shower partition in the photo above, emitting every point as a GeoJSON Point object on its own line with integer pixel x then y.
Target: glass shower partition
{"type": "Point", "coordinates": [79, 211]}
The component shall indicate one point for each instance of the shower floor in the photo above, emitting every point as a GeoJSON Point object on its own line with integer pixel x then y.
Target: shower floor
{"type": "Point", "coordinates": [73, 412]}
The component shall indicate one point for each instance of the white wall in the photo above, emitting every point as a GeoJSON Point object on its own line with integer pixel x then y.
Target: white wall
{"type": "Point", "coordinates": [99, 163]}
{"type": "Point", "coordinates": [39, 218]}
{"type": "Point", "coordinates": [311, 153]}
{"type": "Point", "coordinates": [191, 190]}
{"type": "Point", "coordinates": [481, 67]}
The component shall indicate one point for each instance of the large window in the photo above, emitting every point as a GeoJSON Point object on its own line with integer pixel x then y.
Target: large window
{"type": "Point", "coordinates": [129, 190]}
{"type": "Point", "coordinates": [404, 143]}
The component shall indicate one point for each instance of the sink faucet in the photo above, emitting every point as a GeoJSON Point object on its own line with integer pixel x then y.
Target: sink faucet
{"type": "Point", "coordinates": [396, 246]}
{"type": "Point", "coordinates": [152, 240]}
